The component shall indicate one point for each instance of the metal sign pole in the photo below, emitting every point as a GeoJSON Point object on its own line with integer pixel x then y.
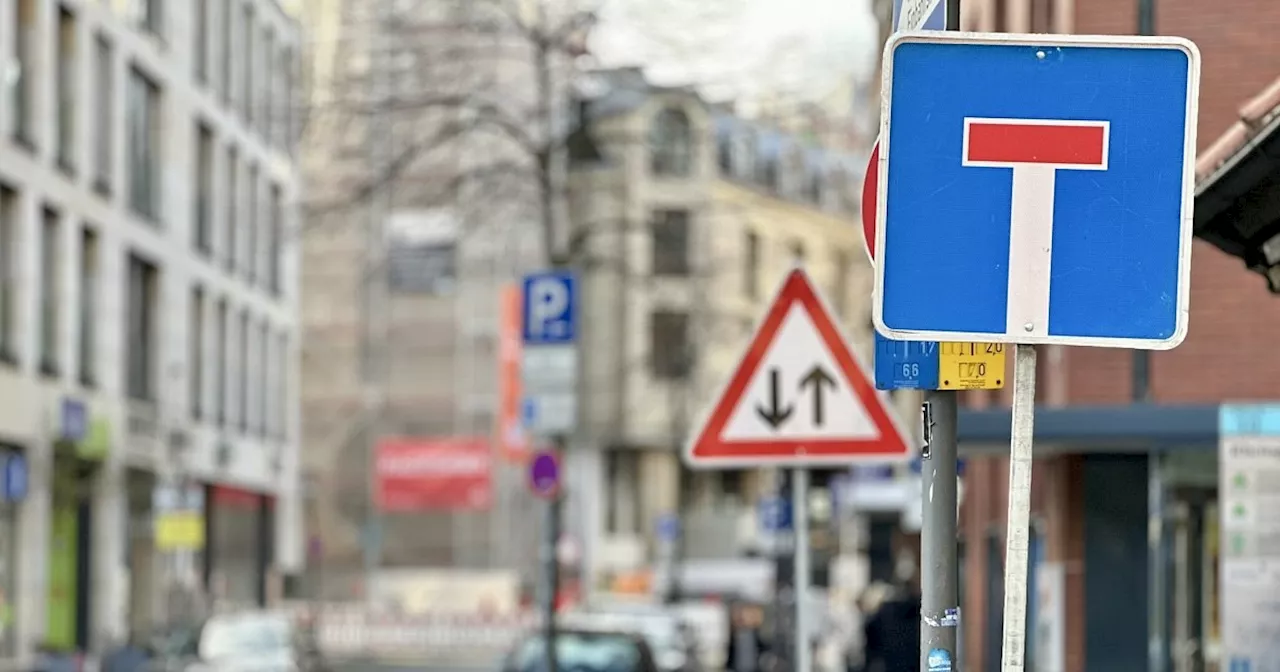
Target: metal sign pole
{"type": "Point", "coordinates": [939, 506]}
{"type": "Point", "coordinates": [800, 521]}
{"type": "Point", "coordinates": [1019, 516]}
{"type": "Point", "coordinates": [939, 570]}
{"type": "Point", "coordinates": [553, 577]}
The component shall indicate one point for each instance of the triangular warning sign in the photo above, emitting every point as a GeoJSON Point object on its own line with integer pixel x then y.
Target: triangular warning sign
{"type": "Point", "coordinates": [798, 397]}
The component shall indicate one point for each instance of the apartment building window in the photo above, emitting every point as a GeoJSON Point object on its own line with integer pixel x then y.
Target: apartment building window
{"type": "Point", "coordinates": [284, 380]}
{"type": "Point", "coordinates": [21, 77]}
{"type": "Point", "coordinates": [148, 15]}
{"type": "Point", "coordinates": [200, 28]}
{"type": "Point", "coordinates": [195, 358]}
{"type": "Point", "coordinates": [89, 297]}
{"type": "Point", "coordinates": [226, 49]}
{"type": "Point", "coordinates": [840, 282]}
{"type": "Point", "coordinates": [1042, 16]}
{"type": "Point", "coordinates": [670, 243]}
{"type": "Point", "coordinates": [231, 209]}
{"type": "Point", "coordinates": [142, 321]}
{"type": "Point", "coordinates": [290, 64]}
{"type": "Point", "coordinates": [669, 344]}
{"type": "Point", "coordinates": [50, 290]}
{"type": "Point", "coordinates": [246, 64]}
{"type": "Point", "coordinates": [751, 266]}
{"type": "Point", "coordinates": [671, 144]}
{"type": "Point", "coordinates": [274, 230]}
{"type": "Point", "coordinates": [263, 416]}
{"type": "Point", "coordinates": [797, 253]}
{"type": "Point", "coordinates": [269, 93]}
{"type": "Point", "coordinates": [242, 361]}
{"type": "Point", "coordinates": [67, 89]}
{"type": "Point", "coordinates": [251, 226]}
{"type": "Point", "coordinates": [104, 113]}
{"type": "Point", "coordinates": [144, 145]}
{"type": "Point", "coordinates": [219, 369]}
{"type": "Point", "coordinates": [10, 224]}
{"type": "Point", "coordinates": [204, 189]}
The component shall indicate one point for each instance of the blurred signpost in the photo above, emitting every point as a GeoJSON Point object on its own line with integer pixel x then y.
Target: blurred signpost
{"type": "Point", "coordinates": [1065, 218]}
{"type": "Point", "coordinates": [798, 398]}
{"type": "Point", "coordinates": [1249, 452]}
{"type": "Point", "coordinates": [549, 380]}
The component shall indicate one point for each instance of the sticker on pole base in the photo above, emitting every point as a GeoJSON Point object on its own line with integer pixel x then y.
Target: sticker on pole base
{"type": "Point", "coordinates": [939, 660]}
{"type": "Point", "coordinates": [951, 617]}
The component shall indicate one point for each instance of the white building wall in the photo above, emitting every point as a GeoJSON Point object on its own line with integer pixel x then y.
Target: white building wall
{"type": "Point", "coordinates": [29, 401]}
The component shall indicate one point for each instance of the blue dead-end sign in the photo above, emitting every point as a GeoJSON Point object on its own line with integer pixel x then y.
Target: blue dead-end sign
{"type": "Point", "coordinates": [1036, 189]}
{"type": "Point", "coordinates": [544, 474]}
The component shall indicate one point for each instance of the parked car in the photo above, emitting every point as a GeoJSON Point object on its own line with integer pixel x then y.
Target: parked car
{"type": "Point", "coordinates": [673, 642]}
{"type": "Point", "coordinates": [583, 650]}
{"type": "Point", "coordinates": [256, 641]}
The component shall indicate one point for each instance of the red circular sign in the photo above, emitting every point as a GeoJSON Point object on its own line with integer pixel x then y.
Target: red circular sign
{"type": "Point", "coordinates": [870, 187]}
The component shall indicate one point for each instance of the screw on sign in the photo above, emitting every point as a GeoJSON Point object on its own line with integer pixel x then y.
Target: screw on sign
{"type": "Point", "coordinates": [544, 474]}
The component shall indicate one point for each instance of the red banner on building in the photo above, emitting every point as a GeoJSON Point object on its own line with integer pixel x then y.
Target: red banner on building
{"type": "Point", "coordinates": [513, 441]}
{"type": "Point", "coordinates": [419, 474]}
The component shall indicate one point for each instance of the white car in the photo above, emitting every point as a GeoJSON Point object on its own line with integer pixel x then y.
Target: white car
{"type": "Point", "coordinates": [246, 642]}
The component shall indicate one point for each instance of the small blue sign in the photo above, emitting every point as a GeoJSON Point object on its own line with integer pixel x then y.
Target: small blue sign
{"type": "Point", "coordinates": [16, 478]}
{"type": "Point", "coordinates": [1249, 420]}
{"type": "Point", "coordinates": [775, 514]}
{"type": "Point", "coordinates": [1050, 185]}
{"type": "Point", "coordinates": [1241, 665]}
{"type": "Point", "coordinates": [74, 420]}
{"type": "Point", "coordinates": [935, 19]}
{"type": "Point", "coordinates": [668, 527]}
{"type": "Point", "coordinates": [906, 365]}
{"type": "Point", "coordinates": [939, 660]}
{"type": "Point", "coordinates": [548, 308]}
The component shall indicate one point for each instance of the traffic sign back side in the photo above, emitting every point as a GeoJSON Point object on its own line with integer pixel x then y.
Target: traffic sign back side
{"type": "Point", "coordinates": [1037, 189]}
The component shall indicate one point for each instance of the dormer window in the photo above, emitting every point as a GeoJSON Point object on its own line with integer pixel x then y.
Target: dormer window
{"type": "Point", "coordinates": [671, 144]}
{"type": "Point", "coordinates": [744, 154]}
{"type": "Point", "coordinates": [816, 185]}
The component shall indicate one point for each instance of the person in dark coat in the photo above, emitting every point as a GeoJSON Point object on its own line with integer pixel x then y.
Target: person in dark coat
{"type": "Point", "coordinates": [746, 642]}
{"type": "Point", "coordinates": [892, 632]}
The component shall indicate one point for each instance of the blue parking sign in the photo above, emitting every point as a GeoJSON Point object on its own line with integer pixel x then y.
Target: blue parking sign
{"type": "Point", "coordinates": [548, 308]}
{"type": "Point", "coordinates": [1036, 189]}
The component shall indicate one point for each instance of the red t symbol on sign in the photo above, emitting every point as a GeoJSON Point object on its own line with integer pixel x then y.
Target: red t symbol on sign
{"type": "Point", "coordinates": [1035, 149]}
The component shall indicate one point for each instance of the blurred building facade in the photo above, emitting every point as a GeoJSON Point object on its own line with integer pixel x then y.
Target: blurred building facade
{"type": "Point", "coordinates": [147, 312]}
{"type": "Point", "coordinates": [692, 218]}
{"type": "Point", "coordinates": [1125, 484]}
{"type": "Point", "coordinates": [402, 299]}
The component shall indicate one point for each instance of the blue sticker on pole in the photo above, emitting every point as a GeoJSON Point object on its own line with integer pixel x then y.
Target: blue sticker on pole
{"type": "Point", "coordinates": [939, 660]}
{"type": "Point", "coordinates": [906, 365]}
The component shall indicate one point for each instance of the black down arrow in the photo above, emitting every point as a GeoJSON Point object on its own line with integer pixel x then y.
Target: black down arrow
{"type": "Point", "coordinates": [776, 414]}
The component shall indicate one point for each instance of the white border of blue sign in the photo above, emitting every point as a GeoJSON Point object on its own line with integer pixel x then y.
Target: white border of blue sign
{"type": "Point", "coordinates": [1188, 182]}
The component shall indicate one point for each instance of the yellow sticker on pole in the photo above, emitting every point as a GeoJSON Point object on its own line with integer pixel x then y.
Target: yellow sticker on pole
{"type": "Point", "coordinates": [971, 366]}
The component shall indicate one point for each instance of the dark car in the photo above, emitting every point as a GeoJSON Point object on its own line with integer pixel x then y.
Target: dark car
{"type": "Point", "coordinates": [583, 650]}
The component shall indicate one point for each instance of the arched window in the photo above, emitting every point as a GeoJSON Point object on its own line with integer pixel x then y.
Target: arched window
{"type": "Point", "coordinates": [671, 144]}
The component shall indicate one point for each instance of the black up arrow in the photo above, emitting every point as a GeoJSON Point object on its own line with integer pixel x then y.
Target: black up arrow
{"type": "Point", "coordinates": [817, 379]}
{"type": "Point", "coordinates": [776, 414]}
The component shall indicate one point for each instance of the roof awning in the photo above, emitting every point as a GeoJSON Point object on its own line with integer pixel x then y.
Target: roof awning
{"type": "Point", "coordinates": [1237, 205]}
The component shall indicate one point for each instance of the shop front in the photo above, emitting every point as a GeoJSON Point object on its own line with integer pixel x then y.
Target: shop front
{"type": "Point", "coordinates": [80, 449]}
{"type": "Point", "coordinates": [14, 478]}
{"type": "Point", "coordinates": [1114, 492]}
{"type": "Point", "coordinates": [239, 536]}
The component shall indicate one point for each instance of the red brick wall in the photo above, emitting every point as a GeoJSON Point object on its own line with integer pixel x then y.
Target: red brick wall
{"type": "Point", "coordinates": [1230, 352]}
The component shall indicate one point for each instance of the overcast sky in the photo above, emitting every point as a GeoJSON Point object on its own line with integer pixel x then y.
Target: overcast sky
{"type": "Point", "coordinates": [742, 47]}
